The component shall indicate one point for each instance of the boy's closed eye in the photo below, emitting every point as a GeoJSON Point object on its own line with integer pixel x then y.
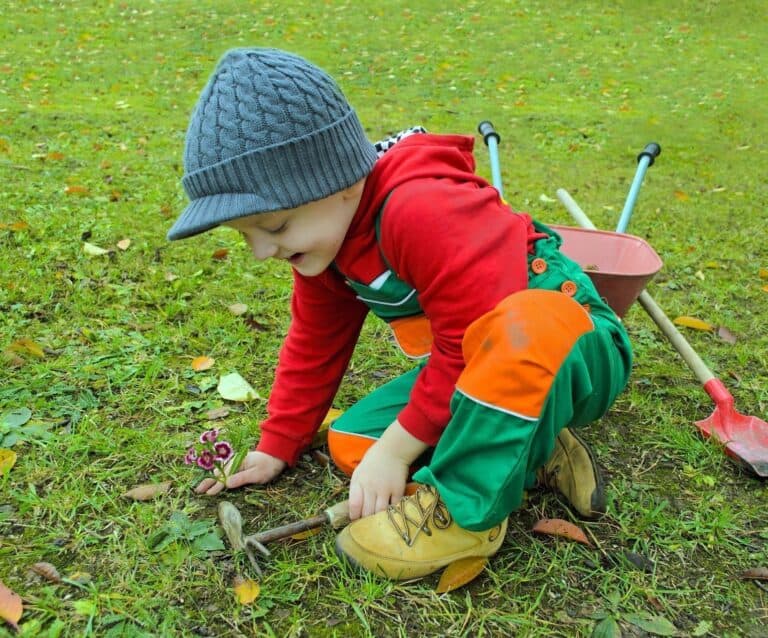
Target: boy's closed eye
{"type": "Point", "coordinates": [279, 229]}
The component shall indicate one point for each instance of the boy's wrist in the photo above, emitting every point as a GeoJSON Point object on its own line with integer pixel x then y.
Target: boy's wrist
{"type": "Point", "coordinates": [400, 443]}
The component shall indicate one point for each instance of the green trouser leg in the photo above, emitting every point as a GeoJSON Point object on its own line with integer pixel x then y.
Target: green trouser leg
{"type": "Point", "coordinates": [486, 458]}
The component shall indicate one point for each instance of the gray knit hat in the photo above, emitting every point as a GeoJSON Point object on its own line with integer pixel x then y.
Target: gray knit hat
{"type": "Point", "coordinates": [270, 131]}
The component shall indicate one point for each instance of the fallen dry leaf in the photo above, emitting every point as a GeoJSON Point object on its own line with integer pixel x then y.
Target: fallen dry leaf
{"type": "Point", "coordinates": [124, 244]}
{"type": "Point", "coordinates": [169, 276]}
{"type": "Point", "coordinates": [233, 387]}
{"type": "Point", "coordinates": [93, 250]}
{"type": "Point", "coordinates": [220, 254]}
{"type": "Point", "coordinates": [47, 571]}
{"type": "Point", "coordinates": [148, 491]}
{"type": "Point", "coordinates": [7, 460]}
{"type": "Point", "coordinates": [693, 322]}
{"type": "Point", "coordinates": [756, 573]}
{"type": "Point", "coordinates": [10, 606]}
{"type": "Point", "coordinates": [27, 346]}
{"type": "Point", "coordinates": [308, 533]}
{"type": "Point", "coordinates": [564, 529]}
{"type": "Point", "coordinates": [726, 335]}
{"type": "Point", "coordinates": [238, 309]}
{"type": "Point", "coordinates": [763, 273]}
{"type": "Point", "coordinates": [202, 363]}
{"type": "Point", "coordinates": [460, 572]}
{"type": "Point", "coordinates": [246, 590]}
{"type": "Point", "coordinates": [321, 436]}
{"type": "Point", "coordinates": [75, 189]}
{"type": "Point", "coordinates": [217, 413]}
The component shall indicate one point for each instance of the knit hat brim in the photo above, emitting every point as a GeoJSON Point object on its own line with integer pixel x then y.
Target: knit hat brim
{"type": "Point", "coordinates": [206, 213]}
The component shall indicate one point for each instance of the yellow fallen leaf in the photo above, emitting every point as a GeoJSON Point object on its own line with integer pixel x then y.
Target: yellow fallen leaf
{"type": "Point", "coordinates": [27, 346]}
{"type": "Point", "coordinates": [234, 388]}
{"type": "Point", "coordinates": [321, 436]}
{"type": "Point", "coordinates": [75, 189]}
{"type": "Point", "coordinates": [763, 273]}
{"type": "Point", "coordinates": [10, 606]}
{"type": "Point", "coordinates": [246, 590]}
{"type": "Point", "coordinates": [693, 322]}
{"type": "Point", "coordinates": [300, 536]}
{"type": "Point", "coordinates": [681, 196]}
{"type": "Point", "coordinates": [202, 363]}
{"type": "Point", "coordinates": [460, 572]}
{"type": "Point", "coordinates": [93, 250]}
{"type": "Point", "coordinates": [7, 460]}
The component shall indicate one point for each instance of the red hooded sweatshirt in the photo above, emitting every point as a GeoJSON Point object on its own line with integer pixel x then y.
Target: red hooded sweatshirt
{"type": "Point", "coordinates": [446, 233]}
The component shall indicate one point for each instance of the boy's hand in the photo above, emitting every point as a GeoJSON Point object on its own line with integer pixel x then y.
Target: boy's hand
{"type": "Point", "coordinates": [378, 481]}
{"type": "Point", "coordinates": [257, 467]}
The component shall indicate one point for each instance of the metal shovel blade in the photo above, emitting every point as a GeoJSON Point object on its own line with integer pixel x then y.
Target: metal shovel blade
{"type": "Point", "coordinates": [745, 437]}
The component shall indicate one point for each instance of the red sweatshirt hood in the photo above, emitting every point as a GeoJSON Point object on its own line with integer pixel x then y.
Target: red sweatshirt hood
{"type": "Point", "coordinates": [417, 156]}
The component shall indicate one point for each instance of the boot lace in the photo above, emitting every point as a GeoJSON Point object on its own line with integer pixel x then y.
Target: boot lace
{"type": "Point", "coordinates": [428, 508]}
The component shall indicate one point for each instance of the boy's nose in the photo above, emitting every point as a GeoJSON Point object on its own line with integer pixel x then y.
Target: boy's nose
{"type": "Point", "coordinates": [263, 248]}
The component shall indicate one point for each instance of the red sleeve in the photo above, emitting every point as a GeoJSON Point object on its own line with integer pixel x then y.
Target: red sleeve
{"type": "Point", "coordinates": [463, 251]}
{"type": "Point", "coordinates": [326, 319]}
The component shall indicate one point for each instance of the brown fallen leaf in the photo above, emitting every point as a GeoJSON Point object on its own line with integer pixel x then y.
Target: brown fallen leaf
{"type": "Point", "coordinates": [147, 491]}
{"type": "Point", "coordinates": [693, 322]}
{"type": "Point", "coordinates": [47, 571]}
{"type": "Point", "coordinates": [756, 573]}
{"type": "Point", "coordinates": [202, 363]}
{"type": "Point", "coordinates": [564, 529]}
{"type": "Point", "coordinates": [10, 606]}
{"type": "Point", "coordinates": [246, 590]}
{"type": "Point", "coordinates": [726, 335]}
{"type": "Point", "coordinates": [460, 572]}
{"type": "Point", "coordinates": [220, 254]}
{"type": "Point", "coordinates": [217, 413]}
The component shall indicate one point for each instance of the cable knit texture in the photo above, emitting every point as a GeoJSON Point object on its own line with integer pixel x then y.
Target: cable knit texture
{"type": "Point", "coordinates": [271, 131]}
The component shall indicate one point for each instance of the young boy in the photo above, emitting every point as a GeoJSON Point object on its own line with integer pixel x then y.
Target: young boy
{"type": "Point", "coordinates": [515, 343]}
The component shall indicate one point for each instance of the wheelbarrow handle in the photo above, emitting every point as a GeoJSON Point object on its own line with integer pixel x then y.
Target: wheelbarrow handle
{"type": "Point", "coordinates": [492, 139]}
{"type": "Point", "coordinates": [645, 159]}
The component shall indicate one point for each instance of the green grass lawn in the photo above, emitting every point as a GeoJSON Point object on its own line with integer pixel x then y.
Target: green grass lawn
{"type": "Point", "coordinates": [94, 101]}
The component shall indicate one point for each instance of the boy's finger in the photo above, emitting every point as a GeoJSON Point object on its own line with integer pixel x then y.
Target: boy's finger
{"type": "Point", "coordinates": [355, 501]}
{"type": "Point", "coordinates": [204, 486]}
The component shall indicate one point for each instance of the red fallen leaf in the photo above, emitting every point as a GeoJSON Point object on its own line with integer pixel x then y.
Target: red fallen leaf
{"type": "Point", "coordinates": [55, 156]}
{"type": "Point", "coordinates": [460, 572]}
{"type": "Point", "coordinates": [726, 335]}
{"type": "Point", "coordinates": [10, 606]}
{"type": "Point", "coordinates": [756, 573]}
{"type": "Point", "coordinates": [220, 254]}
{"type": "Point", "coordinates": [564, 529]}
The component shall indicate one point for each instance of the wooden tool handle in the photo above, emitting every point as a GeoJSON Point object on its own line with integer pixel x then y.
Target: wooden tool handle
{"type": "Point", "coordinates": [337, 516]}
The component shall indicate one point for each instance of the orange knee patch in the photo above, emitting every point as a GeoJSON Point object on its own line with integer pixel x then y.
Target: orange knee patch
{"type": "Point", "coordinates": [347, 450]}
{"type": "Point", "coordinates": [513, 353]}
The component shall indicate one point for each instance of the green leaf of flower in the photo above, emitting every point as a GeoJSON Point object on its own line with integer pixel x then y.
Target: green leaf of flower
{"type": "Point", "coordinates": [211, 542]}
{"type": "Point", "coordinates": [607, 628]}
{"type": "Point", "coordinates": [657, 625]}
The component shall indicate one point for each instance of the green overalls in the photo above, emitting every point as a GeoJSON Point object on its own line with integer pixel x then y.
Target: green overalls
{"type": "Point", "coordinates": [551, 356]}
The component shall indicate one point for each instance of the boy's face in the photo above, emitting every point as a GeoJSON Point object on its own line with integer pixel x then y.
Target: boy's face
{"type": "Point", "coordinates": [308, 237]}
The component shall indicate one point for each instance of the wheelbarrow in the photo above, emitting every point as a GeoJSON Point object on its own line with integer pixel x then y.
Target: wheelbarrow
{"type": "Point", "coordinates": [620, 266]}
